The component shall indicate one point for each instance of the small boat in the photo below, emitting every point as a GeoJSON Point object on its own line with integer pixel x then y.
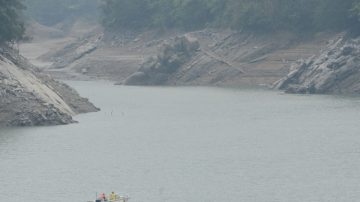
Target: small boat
{"type": "Point", "coordinates": [120, 199]}
{"type": "Point", "coordinates": [117, 198]}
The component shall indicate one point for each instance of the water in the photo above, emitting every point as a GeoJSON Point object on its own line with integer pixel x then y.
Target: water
{"type": "Point", "coordinates": [190, 144]}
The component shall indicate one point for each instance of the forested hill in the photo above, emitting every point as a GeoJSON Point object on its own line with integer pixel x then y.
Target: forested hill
{"type": "Point", "coordinates": [259, 15]}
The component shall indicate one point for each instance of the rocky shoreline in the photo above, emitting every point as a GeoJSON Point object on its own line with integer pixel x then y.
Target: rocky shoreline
{"type": "Point", "coordinates": [335, 71]}
{"type": "Point", "coordinates": [224, 57]}
{"type": "Point", "coordinates": [31, 98]}
{"type": "Point", "coordinates": [318, 63]}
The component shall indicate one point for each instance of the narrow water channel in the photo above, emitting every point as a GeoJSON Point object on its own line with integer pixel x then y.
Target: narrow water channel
{"type": "Point", "coordinates": [189, 144]}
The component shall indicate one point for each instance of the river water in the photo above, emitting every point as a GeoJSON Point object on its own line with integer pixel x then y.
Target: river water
{"type": "Point", "coordinates": [189, 144]}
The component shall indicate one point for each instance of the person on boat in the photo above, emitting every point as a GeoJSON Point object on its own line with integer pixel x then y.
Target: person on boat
{"type": "Point", "coordinates": [112, 196]}
{"type": "Point", "coordinates": [102, 196]}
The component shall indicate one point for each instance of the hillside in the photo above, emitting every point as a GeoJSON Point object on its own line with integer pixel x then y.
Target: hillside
{"type": "Point", "coordinates": [225, 58]}
{"type": "Point", "coordinates": [30, 98]}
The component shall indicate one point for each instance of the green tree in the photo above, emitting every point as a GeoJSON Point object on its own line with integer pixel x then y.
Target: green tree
{"type": "Point", "coordinates": [130, 14]}
{"type": "Point", "coordinates": [192, 14]}
{"type": "Point", "coordinates": [335, 14]}
{"type": "Point", "coordinates": [12, 26]}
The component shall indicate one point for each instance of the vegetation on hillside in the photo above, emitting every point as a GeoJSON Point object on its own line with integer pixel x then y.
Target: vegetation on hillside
{"type": "Point", "coordinates": [258, 15]}
{"type": "Point", "coordinates": [51, 12]}
{"type": "Point", "coordinates": [11, 24]}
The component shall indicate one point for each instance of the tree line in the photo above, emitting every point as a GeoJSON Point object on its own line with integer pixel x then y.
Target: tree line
{"type": "Point", "coordinates": [256, 15]}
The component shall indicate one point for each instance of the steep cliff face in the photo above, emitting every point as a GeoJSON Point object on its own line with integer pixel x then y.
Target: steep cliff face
{"type": "Point", "coordinates": [335, 71]}
{"type": "Point", "coordinates": [29, 98]}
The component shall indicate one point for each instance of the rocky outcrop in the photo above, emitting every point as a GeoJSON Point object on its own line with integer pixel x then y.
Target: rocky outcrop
{"type": "Point", "coordinates": [29, 98]}
{"type": "Point", "coordinates": [230, 58]}
{"type": "Point", "coordinates": [335, 71]}
{"type": "Point", "coordinates": [156, 70]}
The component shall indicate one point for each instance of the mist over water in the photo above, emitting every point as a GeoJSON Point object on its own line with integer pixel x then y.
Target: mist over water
{"type": "Point", "coordinates": [189, 144]}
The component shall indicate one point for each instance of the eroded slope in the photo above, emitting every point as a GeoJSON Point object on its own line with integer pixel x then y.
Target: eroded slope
{"type": "Point", "coordinates": [30, 98]}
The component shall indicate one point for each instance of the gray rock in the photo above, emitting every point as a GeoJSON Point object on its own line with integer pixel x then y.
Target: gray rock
{"type": "Point", "coordinates": [46, 102]}
{"type": "Point", "coordinates": [335, 70]}
{"type": "Point", "coordinates": [347, 50]}
{"type": "Point", "coordinates": [156, 70]}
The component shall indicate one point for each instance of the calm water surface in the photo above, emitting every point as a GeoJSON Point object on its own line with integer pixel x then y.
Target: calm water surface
{"type": "Point", "coordinates": [190, 144]}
